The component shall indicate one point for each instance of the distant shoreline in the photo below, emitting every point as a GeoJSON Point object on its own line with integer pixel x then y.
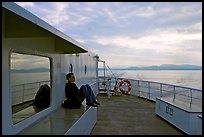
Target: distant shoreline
{"type": "Point", "coordinates": [161, 67]}
{"type": "Point", "coordinates": [33, 70]}
{"type": "Point", "coordinates": [100, 69]}
{"type": "Point", "coordinates": [150, 69]}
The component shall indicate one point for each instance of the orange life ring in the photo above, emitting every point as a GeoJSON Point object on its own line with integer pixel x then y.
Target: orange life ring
{"type": "Point", "coordinates": [121, 86]}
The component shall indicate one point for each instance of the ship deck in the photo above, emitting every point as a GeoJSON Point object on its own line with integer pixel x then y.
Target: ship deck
{"type": "Point", "coordinates": [130, 115]}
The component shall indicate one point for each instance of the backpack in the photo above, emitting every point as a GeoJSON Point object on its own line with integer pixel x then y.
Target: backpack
{"type": "Point", "coordinates": [42, 98]}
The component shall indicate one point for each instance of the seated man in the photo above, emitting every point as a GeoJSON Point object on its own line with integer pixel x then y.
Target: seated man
{"type": "Point", "coordinates": [74, 96]}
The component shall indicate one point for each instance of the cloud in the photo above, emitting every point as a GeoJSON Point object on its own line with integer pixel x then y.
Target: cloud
{"type": "Point", "coordinates": [155, 47]}
{"type": "Point", "coordinates": [140, 32]}
{"type": "Point", "coordinates": [24, 61]}
{"type": "Point", "coordinates": [26, 4]}
{"type": "Point", "coordinates": [162, 39]}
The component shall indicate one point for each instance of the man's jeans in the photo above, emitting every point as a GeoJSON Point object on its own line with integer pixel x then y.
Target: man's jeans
{"type": "Point", "coordinates": [88, 93]}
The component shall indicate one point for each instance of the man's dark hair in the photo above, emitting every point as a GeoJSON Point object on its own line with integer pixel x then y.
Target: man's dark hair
{"type": "Point", "coordinates": [69, 75]}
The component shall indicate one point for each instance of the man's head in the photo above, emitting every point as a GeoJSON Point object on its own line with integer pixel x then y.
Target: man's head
{"type": "Point", "coordinates": [70, 77]}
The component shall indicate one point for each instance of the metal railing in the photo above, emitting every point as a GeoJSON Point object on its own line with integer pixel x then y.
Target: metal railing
{"type": "Point", "coordinates": [151, 90]}
{"type": "Point", "coordinates": [25, 92]}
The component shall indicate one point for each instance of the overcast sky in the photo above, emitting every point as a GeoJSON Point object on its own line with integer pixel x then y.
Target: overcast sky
{"type": "Point", "coordinates": [129, 33]}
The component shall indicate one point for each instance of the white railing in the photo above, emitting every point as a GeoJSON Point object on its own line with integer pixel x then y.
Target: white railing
{"type": "Point", "coordinates": [25, 92]}
{"type": "Point", "coordinates": [150, 90]}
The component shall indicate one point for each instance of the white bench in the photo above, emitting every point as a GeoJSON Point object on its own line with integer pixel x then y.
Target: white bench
{"type": "Point", "coordinates": [64, 121]}
{"type": "Point", "coordinates": [180, 114]}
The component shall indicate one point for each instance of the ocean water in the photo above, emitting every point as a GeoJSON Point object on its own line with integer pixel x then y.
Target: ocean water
{"type": "Point", "coordinates": [188, 78]}
{"type": "Point", "coordinates": [26, 92]}
{"type": "Point", "coordinates": [23, 78]}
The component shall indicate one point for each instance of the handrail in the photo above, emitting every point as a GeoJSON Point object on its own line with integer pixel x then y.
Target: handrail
{"type": "Point", "coordinates": [151, 90]}
{"type": "Point", "coordinates": [25, 92]}
{"type": "Point", "coordinates": [152, 82]}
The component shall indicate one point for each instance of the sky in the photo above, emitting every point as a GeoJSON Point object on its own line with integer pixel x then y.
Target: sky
{"type": "Point", "coordinates": [128, 34]}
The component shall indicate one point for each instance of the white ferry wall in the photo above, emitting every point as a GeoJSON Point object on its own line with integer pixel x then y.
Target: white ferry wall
{"type": "Point", "coordinates": [79, 61]}
{"type": "Point", "coordinates": [25, 33]}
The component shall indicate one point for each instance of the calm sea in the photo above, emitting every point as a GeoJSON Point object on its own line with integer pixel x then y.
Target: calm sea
{"type": "Point", "coordinates": [188, 78]}
{"type": "Point", "coordinates": [23, 78]}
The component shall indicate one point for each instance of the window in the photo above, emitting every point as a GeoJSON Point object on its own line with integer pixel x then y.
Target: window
{"type": "Point", "coordinates": [70, 68]}
{"type": "Point", "coordinates": [85, 70]}
{"type": "Point", "coordinates": [28, 73]}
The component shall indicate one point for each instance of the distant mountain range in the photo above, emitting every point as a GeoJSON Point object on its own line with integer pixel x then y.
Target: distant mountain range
{"type": "Point", "coordinates": [162, 67]}
{"type": "Point", "coordinates": [33, 70]}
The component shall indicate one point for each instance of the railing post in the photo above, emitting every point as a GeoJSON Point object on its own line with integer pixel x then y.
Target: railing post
{"type": "Point", "coordinates": [191, 98]}
{"type": "Point", "coordinates": [174, 94]}
{"type": "Point", "coordinates": [23, 93]}
{"type": "Point", "coordinates": [160, 89]}
{"type": "Point", "coordinates": [104, 69]}
{"type": "Point", "coordinates": [139, 88]}
{"type": "Point", "coordinates": [149, 90]}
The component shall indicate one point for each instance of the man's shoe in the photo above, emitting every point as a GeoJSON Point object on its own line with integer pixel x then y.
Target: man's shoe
{"type": "Point", "coordinates": [96, 102]}
{"type": "Point", "coordinates": [91, 104]}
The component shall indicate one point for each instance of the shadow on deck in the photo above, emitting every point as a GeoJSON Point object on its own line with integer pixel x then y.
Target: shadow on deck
{"type": "Point", "coordinates": [130, 115]}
